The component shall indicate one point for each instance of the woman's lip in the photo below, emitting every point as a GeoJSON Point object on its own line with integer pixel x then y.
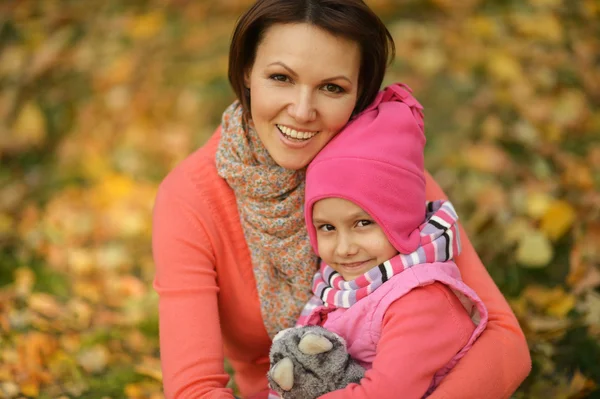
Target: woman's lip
{"type": "Point", "coordinates": [295, 144]}
{"type": "Point", "coordinates": [297, 128]}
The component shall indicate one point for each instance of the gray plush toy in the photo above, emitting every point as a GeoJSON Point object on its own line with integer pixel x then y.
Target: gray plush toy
{"type": "Point", "coordinates": [307, 362]}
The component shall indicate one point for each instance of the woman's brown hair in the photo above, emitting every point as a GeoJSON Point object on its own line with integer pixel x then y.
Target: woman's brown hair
{"type": "Point", "coordinates": [351, 19]}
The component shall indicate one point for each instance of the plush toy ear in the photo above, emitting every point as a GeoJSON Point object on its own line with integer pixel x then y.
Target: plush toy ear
{"type": "Point", "coordinates": [312, 344]}
{"type": "Point", "coordinates": [281, 333]}
{"type": "Point", "coordinates": [283, 373]}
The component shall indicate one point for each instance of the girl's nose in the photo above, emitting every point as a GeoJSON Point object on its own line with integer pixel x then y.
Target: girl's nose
{"type": "Point", "coordinates": [302, 108]}
{"type": "Point", "coordinates": [345, 246]}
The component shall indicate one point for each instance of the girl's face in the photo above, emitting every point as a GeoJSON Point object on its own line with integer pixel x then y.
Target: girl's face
{"type": "Point", "coordinates": [348, 239]}
{"type": "Point", "coordinates": [303, 87]}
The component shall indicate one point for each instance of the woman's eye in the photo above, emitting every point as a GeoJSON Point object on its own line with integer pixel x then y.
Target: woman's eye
{"type": "Point", "coordinates": [279, 78]}
{"type": "Point", "coordinates": [363, 223]}
{"type": "Point", "coordinates": [326, 227]}
{"type": "Point", "coordinates": [333, 88]}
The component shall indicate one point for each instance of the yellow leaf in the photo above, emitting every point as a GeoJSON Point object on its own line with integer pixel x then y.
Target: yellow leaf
{"type": "Point", "coordinates": [551, 301]}
{"type": "Point", "coordinates": [147, 25]}
{"type": "Point", "coordinates": [79, 313]}
{"type": "Point", "coordinates": [504, 67]}
{"type": "Point", "coordinates": [547, 3]}
{"type": "Point", "coordinates": [430, 60]}
{"type": "Point", "coordinates": [491, 128]}
{"type": "Point", "coordinates": [562, 306]}
{"type": "Point", "coordinates": [150, 367]}
{"type": "Point", "coordinates": [570, 108]}
{"type": "Point", "coordinates": [94, 359]}
{"type": "Point", "coordinates": [591, 8]}
{"type": "Point", "coordinates": [48, 54]}
{"type": "Point", "coordinates": [6, 224]}
{"type": "Point", "coordinates": [24, 280]}
{"type": "Point", "coordinates": [486, 158]}
{"type": "Point", "coordinates": [30, 388]}
{"type": "Point", "coordinates": [9, 388]}
{"type": "Point", "coordinates": [12, 60]}
{"type": "Point", "coordinates": [113, 188]}
{"type": "Point", "coordinates": [580, 384]}
{"type": "Point", "coordinates": [516, 230]}
{"type": "Point", "coordinates": [548, 324]}
{"type": "Point", "coordinates": [87, 290]}
{"type": "Point", "coordinates": [591, 308]}
{"type": "Point", "coordinates": [482, 27]}
{"type": "Point", "coordinates": [593, 156]}
{"type": "Point", "coordinates": [534, 250]}
{"type": "Point", "coordinates": [578, 174]}
{"type": "Point", "coordinates": [134, 391]}
{"type": "Point", "coordinates": [96, 166]}
{"type": "Point", "coordinates": [557, 219]}
{"type": "Point", "coordinates": [45, 304]}
{"type": "Point", "coordinates": [81, 261]}
{"type": "Point", "coordinates": [28, 130]}
{"type": "Point", "coordinates": [119, 71]}
{"type": "Point", "coordinates": [540, 26]}
{"type": "Point", "coordinates": [538, 204]}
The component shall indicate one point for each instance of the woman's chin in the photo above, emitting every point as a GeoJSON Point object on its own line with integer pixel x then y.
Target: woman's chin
{"type": "Point", "coordinates": [292, 163]}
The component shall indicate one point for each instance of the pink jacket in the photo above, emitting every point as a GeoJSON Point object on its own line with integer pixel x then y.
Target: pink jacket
{"type": "Point", "coordinates": [361, 324]}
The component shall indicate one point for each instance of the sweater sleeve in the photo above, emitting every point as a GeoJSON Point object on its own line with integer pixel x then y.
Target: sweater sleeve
{"type": "Point", "coordinates": [499, 360]}
{"type": "Point", "coordinates": [190, 336]}
{"type": "Point", "coordinates": [420, 334]}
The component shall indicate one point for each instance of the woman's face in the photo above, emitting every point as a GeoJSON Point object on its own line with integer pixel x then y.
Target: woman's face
{"type": "Point", "coordinates": [303, 87]}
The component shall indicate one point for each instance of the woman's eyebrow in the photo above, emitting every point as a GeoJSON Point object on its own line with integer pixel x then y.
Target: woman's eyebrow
{"type": "Point", "coordinates": [343, 77]}
{"type": "Point", "coordinates": [290, 70]}
{"type": "Point", "coordinates": [294, 74]}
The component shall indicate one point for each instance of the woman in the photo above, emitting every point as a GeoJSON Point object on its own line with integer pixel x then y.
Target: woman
{"type": "Point", "coordinates": [234, 264]}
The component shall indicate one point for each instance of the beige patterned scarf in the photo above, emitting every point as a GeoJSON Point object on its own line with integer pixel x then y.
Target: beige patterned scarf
{"type": "Point", "coordinates": [270, 201]}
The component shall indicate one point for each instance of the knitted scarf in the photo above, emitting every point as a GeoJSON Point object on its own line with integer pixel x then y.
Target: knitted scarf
{"type": "Point", "coordinates": [440, 242]}
{"type": "Point", "coordinates": [270, 203]}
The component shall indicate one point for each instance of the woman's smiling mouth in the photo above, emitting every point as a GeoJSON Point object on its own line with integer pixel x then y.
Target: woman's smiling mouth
{"type": "Point", "coordinates": [293, 134]}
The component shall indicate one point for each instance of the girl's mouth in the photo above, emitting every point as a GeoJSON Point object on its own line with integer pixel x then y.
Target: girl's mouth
{"type": "Point", "coordinates": [353, 265]}
{"type": "Point", "coordinates": [295, 135]}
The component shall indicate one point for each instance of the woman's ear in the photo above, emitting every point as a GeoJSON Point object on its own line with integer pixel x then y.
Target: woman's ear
{"type": "Point", "coordinates": [247, 73]}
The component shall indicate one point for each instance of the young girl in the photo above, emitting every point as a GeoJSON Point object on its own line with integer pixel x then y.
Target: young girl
{"type": "Point", "coordinates": [387, 283]}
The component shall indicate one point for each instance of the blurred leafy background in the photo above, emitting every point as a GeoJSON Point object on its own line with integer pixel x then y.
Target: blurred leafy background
{"type": "Point", "coordinates": [100, 99]}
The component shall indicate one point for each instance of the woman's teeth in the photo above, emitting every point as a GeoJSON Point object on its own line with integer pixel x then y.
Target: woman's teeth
{"type": "Point", "coordinates": [289, 132]}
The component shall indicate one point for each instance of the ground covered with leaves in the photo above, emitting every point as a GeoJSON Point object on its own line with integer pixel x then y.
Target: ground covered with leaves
{"type": "Point", "coordinates": [100, 99]}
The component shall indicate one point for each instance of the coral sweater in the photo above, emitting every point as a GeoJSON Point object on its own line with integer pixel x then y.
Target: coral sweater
{"type": "Point", "coordinates": [209, 307]}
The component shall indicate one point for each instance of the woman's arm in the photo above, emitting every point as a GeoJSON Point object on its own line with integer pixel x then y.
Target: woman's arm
{"type": "Point", "coordinates": [421, 333]}
{"type": "Point", "coordinates": [499, 360]}
{"type": "Point", "coordinates": [190, 336]}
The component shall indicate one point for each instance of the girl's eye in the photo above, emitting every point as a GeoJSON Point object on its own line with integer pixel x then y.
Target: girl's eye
{"type": "Point", "coordinates": [279, 77]}
{"type": "Point", "coordinates": [326, 227]}
{"type": "Point", "coordinates": [333, 88]}
{"type": "Point", "coordinates": [364, 223]}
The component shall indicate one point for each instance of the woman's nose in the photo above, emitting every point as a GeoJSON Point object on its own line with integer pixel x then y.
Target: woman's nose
{"type": "Point", "coordinates": [302, 108]}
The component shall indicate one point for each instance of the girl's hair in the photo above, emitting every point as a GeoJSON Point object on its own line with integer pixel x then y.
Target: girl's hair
{"type": "Point", "coordinates": [351, 19]}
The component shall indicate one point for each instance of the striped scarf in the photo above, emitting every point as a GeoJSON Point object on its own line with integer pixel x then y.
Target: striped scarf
{"type": "Point", "coordinates": [440, 242]}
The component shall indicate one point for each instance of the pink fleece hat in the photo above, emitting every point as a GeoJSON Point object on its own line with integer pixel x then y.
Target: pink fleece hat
{"type": "Point", "coordinates": [376, 162]}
